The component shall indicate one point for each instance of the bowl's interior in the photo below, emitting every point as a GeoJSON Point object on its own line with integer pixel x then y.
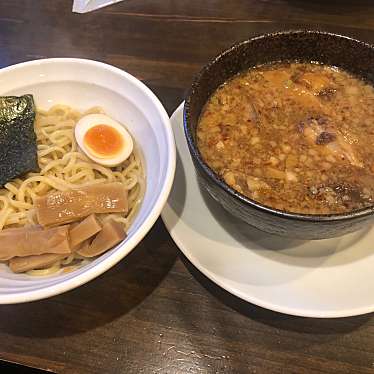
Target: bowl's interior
{"type": "Point", "coordinates": [124, 99]}
{"type": "Point", "coordinates": [351, 55]}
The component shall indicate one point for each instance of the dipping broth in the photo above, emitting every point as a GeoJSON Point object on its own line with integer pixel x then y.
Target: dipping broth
{"type": "Point", "coordinates": [292, 136]}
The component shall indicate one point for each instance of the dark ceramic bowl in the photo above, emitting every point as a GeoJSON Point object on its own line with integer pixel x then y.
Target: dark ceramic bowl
{"type": "Point", "coordinates": [304, 46]}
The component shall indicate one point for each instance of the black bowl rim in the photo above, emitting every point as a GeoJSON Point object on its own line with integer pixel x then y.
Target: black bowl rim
{"type": "Point", "coordinates": [195, 153]}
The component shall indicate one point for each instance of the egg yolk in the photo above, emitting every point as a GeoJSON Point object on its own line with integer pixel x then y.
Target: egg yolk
{"type": "Point", "coordinates": [103, 140]}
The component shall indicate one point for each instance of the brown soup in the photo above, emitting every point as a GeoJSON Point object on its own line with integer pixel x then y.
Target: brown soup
{"type": "Point", "coordinates": [295, 137]}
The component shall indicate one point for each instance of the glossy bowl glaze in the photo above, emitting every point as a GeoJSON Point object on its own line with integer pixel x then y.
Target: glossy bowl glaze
{"type": "Point", "coordinates": [349, 54]}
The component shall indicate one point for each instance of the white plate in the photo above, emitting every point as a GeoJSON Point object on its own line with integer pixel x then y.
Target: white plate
{"type": "Point", "coordinates": [325, 278]}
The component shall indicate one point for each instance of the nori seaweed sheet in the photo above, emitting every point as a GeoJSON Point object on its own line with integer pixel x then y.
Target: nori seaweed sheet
{"type": "Point", "coordinates": [18, 148]}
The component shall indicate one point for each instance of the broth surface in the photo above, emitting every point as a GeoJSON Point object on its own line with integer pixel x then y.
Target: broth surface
{"type": "Point", "coordinates": [295, 137]}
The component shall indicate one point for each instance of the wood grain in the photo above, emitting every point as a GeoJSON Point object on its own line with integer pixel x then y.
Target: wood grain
{"type": "Point", "coordinates": [154, 312]}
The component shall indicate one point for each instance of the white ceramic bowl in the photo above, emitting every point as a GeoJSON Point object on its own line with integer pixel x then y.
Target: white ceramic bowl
{"type": "Point", "coordinates": [83, 84]}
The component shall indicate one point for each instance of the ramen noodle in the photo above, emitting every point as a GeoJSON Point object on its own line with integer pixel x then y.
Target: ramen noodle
{"type": "Point", "coordinates": [64, 167]}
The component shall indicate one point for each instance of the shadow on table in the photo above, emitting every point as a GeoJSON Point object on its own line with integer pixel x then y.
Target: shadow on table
{"type": "Point", "coordinates": [326, 327]}
{"type": "Point", "coordinates": [112, 295]}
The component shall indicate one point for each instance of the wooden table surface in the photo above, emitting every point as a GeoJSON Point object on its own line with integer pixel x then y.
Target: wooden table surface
{"type": "Point", "coordinates": [154, 312]}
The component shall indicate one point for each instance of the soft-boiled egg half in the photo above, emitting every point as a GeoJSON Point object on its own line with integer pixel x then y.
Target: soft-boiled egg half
{"type": "Point", "coordinates": [103, 139]}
